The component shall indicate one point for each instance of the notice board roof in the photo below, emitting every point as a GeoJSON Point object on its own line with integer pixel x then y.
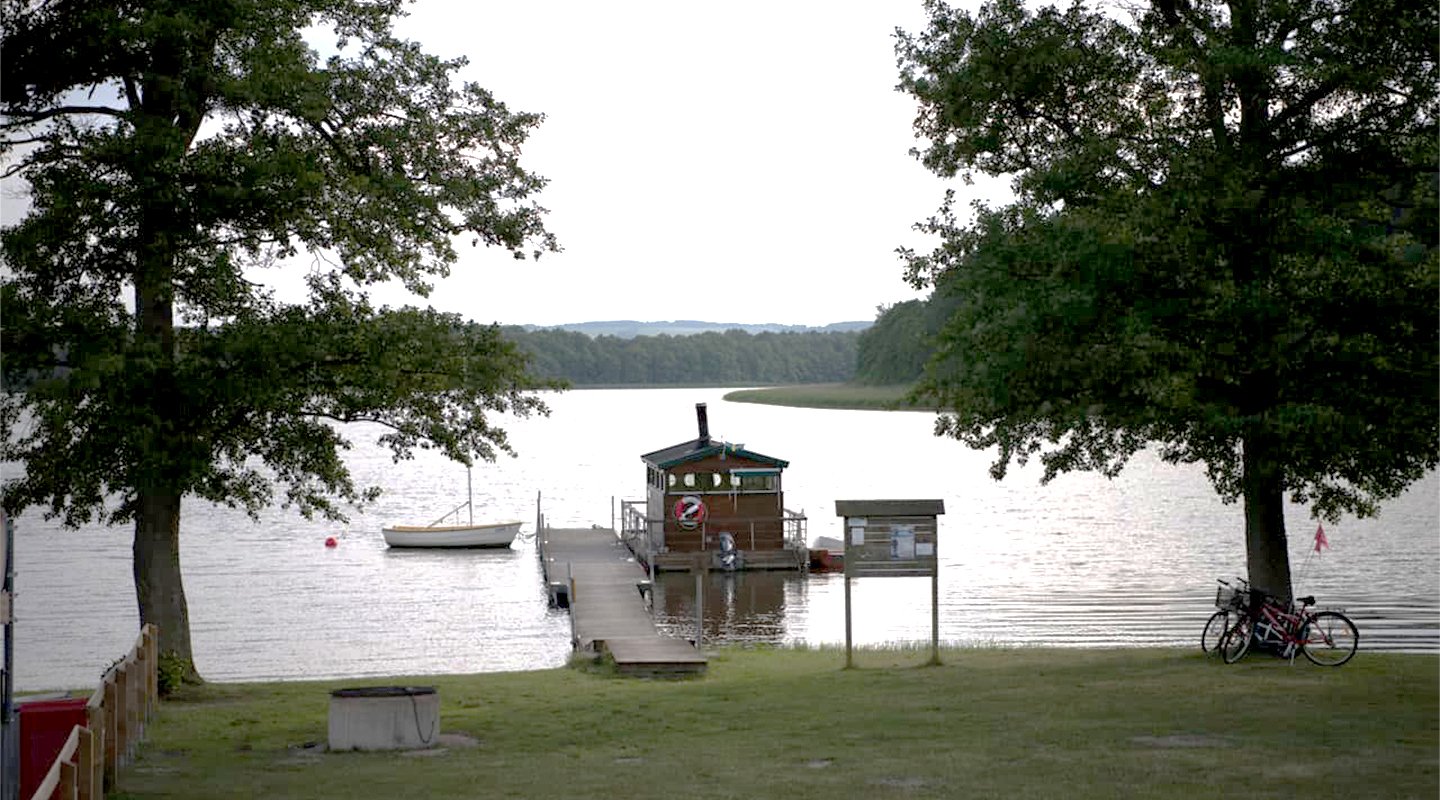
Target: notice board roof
{"type": "Point", "coordinates": [889, 508]}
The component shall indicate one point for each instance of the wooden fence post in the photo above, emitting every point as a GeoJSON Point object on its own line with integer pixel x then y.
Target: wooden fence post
{"type": "Point", "coordinates": [151, 633]}
{"type": "Point", "coordinates": [66, 789]}
{"type": "Point", "coordinates": [95, 720]}
{"type": "Point", "coordinates": [122, 714]}
{"type": "Point", "coordinates": [112, 727]}
{"type": "Point", "coordinates": [85, 788]}
{"type": "Point", "coordinates": [135, 707]}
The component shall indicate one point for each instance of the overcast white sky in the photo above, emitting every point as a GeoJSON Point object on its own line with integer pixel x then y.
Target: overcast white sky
{"type": "Point", "coordinates": [739, 162]}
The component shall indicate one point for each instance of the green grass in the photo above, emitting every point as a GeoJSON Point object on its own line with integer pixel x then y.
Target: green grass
{"type": "Point", "coordinates": [792, 723]}
{"type": "Point", "coordinates": [830, 395]}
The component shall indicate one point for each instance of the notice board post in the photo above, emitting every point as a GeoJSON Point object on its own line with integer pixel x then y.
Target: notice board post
{"type": "Point", "coordinates": [892, 538]}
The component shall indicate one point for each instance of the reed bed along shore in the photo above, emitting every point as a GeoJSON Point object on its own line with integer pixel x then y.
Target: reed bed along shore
{"type": "Point", "coordinates": [793, 723]}
{"type": "Point", "coordinates": [831, 395]}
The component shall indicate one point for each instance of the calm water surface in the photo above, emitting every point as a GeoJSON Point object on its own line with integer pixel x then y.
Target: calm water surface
{"type": "Point", "coordinates": [1081, 561]}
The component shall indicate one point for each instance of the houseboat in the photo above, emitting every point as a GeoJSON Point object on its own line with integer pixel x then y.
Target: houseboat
{"type": "Point", "coordinates": [710, 504]}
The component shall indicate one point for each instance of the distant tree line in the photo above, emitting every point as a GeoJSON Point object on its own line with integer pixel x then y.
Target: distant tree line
{"type": "Point", "coordinates": [894, 350]}
{"type": "Point", "coordinates": [732, 358]}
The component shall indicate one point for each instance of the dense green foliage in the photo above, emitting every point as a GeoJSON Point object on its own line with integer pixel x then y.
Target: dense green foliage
{"type": "Point", "coordinates": [627, 328]}
{"type": "Point", "coordinates": [894, 350]}
{"type": "Point", "coordinates": [732, 358]}
{"type": "Point", "coordinates": [897, 347]}
{"type": "Point", "coordinates": [1224, 241]}
{"type": "Point", "coordinates": [170, 147]}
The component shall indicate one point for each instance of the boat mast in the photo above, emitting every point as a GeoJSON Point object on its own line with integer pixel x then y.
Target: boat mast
{"type": "Point", "coordinates": [469, 497]}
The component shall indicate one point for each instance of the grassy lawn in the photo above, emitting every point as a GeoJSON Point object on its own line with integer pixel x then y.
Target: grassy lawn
{"type": "Point", "coordinates": [785, 723]}
{"type": "Point", "coordinates": [830, 395]}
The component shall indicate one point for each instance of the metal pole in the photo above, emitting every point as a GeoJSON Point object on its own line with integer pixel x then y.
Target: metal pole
{"type": "Point", "coordinates": [849, 660]}
{"type": "Point", "coordinates": [469, 496]}
{"type": "Point", "coordinates": [9, 724]}
{"type": "Point", "coordinates": [935, 613]}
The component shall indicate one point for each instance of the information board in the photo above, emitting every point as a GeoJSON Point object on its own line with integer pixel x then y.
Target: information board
{"type": "Point", "coordinates": [893, 538]}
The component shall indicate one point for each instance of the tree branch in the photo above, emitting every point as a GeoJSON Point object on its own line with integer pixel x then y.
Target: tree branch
{"type": "Point", "coordinates": [1310, 98]}
{"type": "Point", "coordinates": [27, 118]}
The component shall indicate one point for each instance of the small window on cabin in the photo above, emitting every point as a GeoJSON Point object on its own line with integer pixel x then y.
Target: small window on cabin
{"type": "Point", "coordinates": [670, 478]}
{"type": "Point", "coordinates": [758, 483]}
{"type": "Point", "coordinates": [689, 480]}
{"type": "Point", "coordinates": [715, 479]}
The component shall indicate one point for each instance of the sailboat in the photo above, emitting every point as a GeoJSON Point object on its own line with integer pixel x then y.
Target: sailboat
{"type": "Point", "coordinates": [472, 534]}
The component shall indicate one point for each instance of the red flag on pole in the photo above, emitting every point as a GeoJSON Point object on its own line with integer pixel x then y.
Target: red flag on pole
{"type": "Point", "coordinates": [1320, 540]}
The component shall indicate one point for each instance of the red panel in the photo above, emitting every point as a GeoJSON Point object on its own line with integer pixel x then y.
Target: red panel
{"type": "Point", "coordinates": [44, 727]}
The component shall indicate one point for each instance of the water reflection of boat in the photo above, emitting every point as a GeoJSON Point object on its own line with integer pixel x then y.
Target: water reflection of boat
{"type": "Point", "coordinates": [827, 554]}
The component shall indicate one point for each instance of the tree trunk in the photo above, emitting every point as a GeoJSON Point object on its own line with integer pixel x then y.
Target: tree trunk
{"type": "Point", "coordinates": [158, 589]}
{"type": "Point", "coordinates": [1267, 552]}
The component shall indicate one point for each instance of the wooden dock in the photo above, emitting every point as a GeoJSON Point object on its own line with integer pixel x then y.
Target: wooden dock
{"type": "Point", "coordinates": [603, 583]}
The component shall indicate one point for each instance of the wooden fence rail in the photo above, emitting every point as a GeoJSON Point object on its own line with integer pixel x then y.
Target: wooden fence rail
{"type": "Point", "coordinates": [115, 717]}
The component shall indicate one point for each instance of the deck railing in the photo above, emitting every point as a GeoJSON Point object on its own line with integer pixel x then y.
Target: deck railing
{"type": "Point", "coordinates": [115, 717]}
{"type": "Point", "coordinates": [639, 531]}
{"type": "Point", "coordinates": [795, 538]}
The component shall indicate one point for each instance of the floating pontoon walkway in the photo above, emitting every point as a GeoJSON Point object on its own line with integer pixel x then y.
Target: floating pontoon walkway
{"type": "Point", "coordinates": [603, 584]}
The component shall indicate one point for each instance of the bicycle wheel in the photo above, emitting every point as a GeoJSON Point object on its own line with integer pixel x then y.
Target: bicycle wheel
{"type": "Point", "coordinates": [1329, 639]}
{"type": "Point", "coordinates": [1215, 628]}
{"type": "Point", "coordinates": [1237, 640]}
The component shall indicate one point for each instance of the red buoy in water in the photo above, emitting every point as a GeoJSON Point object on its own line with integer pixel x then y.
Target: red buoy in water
{"type": "Point", "coordinates": [330, 541]}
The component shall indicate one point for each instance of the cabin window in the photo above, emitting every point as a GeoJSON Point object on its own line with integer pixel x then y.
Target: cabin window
{"type": "Point", "coordinates": [716, 479]}
{"type": "Point", "coordinates": [670, 478]}
{"type": "Point", "coordinates": [690, 480]}
{"type": "Point", "coordinates": [757, 483]}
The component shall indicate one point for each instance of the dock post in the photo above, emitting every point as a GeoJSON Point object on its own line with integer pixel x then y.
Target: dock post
{"type": "Point", "coordinates": [702, 564]}
{"type": "Point", "coordinates": [650, 549]}
{"type": "Point", "coordinates": [570, 586]}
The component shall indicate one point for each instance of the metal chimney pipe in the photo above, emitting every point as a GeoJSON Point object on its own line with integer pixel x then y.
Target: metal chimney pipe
{"type": "Point", "coordinates": [702, 419]}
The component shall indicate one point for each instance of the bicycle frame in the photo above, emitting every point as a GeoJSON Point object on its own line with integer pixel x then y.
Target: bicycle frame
{"type": "Point", "coordinates": [1281, 625]}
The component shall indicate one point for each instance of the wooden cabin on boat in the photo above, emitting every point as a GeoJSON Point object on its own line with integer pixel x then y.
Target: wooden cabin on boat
{"type": "Point", "coordinates": [710, 504]}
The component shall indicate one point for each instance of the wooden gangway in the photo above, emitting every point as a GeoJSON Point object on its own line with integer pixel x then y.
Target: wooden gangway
{"type": "Point", "coordinates": [605, 587]}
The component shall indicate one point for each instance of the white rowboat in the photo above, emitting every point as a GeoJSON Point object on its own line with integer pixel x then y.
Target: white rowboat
{"type": "Point", "coordinates": [494, 534]}
{"type": "Point", "coordinates": [485, 534]}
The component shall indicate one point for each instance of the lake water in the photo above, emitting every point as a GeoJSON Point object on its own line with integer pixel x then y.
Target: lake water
{"type": "Point", "coordinates": [1082, 561]}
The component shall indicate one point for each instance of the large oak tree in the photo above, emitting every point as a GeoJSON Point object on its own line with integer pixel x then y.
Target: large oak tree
{"type": "Point", "coordinates": [171, 146]}
{"type": "Point", "coordinates": [1222, 243]}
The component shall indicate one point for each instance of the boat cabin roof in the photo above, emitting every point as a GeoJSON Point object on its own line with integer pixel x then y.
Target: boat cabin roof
{"type": "Point", "coordinates": [699, 449]}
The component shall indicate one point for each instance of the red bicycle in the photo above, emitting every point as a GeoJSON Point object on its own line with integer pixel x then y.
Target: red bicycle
{"type": "Point", "coordinates": [1326, 638]}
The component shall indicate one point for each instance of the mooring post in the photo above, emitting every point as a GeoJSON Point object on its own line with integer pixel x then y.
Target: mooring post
{"type": "Point", "coordinates": [702, 564]}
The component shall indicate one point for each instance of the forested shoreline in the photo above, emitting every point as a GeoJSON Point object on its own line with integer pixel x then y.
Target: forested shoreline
{"type": "Point", "coordinates": [732, 358]}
